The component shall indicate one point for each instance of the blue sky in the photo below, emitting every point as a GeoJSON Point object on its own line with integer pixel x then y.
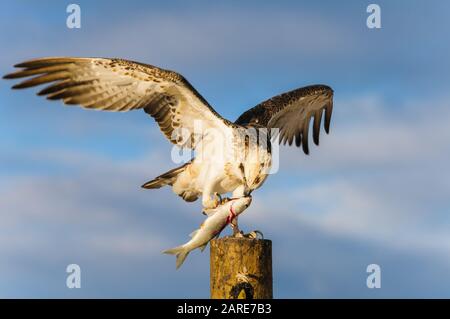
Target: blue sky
{"type": "Point", "coordinates": [375, 191]}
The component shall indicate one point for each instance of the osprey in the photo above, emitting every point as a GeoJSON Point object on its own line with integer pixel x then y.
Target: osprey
{"type": "Point", "coordinates": [231, 157]}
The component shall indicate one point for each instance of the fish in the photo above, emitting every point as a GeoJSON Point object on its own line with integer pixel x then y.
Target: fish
{"type": "Point", "coordinates": [218, 218]}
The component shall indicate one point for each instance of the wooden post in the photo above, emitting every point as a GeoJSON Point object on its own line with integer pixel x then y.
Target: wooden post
{"type": "Point", "coordinates": [241, 268]}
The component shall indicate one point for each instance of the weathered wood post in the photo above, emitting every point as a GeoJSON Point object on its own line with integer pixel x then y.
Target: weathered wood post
{"type": "Point", "coordinates": [241, 268]}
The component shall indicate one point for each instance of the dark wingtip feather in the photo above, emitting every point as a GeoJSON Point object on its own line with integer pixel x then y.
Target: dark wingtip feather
{"type": "Point", "coordinates": [18, 86]}
{"type": "Point", "coordinates": [27, 64]}
{"type": "Point", "coordinates": [316, 138]}
{"type": "Point", "coordinates": [305, 145]}
{"type": "Point", "coordinates": [39, 62]}
{"type": "Point", "coordinates": [298, 139]}
{"type": "Point", "coordinates": [41, 79]}
{"type": "Point", "coordinates": [283, 139]}
{"type": "Point", "coordinates": [290, 140]}
{"type": "Point", "coordinates": [8, 76]}
{"type": "Point", "coordinates": [328, 112]}
{"type": "Point", "coordinates": [316, 126]}
{"type": "Point", "coordinates": [305, 136]}
{"type": "Point", "coordinates": [23, 85]}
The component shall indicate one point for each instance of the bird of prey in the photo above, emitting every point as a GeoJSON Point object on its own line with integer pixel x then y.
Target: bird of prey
{"type": "Point", "coordinates": [228, 158]}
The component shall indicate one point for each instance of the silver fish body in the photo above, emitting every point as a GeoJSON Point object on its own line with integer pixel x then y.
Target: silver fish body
{"type": "Point", "coordinates": [217, 220]}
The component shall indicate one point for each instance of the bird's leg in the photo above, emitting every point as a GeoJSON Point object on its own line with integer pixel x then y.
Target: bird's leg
{"type": "Point", "coordinates": [254, 235]}
{"type": "Point", "coordinates": [234, 225]}
{"type": "Point", "coordinates": [207, 202]}
{"type": "Point", "coordinates": [237, 193]}
{"type": "Point", "coordinates": [218, 199]}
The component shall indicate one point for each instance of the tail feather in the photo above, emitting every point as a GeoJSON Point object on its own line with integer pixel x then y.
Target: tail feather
{"type": "Point", "coordinates": [168, 178]}
{"type": "Point", "coordinates": [180, 252]}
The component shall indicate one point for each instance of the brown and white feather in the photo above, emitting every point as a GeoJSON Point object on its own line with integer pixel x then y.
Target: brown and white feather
{"type": "Point", "coordinates": [119, 85]}
{"type": "Point", "coordinates": [291, 112]}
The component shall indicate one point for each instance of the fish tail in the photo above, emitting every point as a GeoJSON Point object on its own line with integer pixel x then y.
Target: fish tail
{"type": "Point", "coordinates": [181, 252]}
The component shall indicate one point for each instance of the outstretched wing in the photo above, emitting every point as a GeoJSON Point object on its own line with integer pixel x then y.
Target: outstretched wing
{"type": "Point", "coordinates": [291, 112]}
{"type": "Point", "coordinates": [120, 85]}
